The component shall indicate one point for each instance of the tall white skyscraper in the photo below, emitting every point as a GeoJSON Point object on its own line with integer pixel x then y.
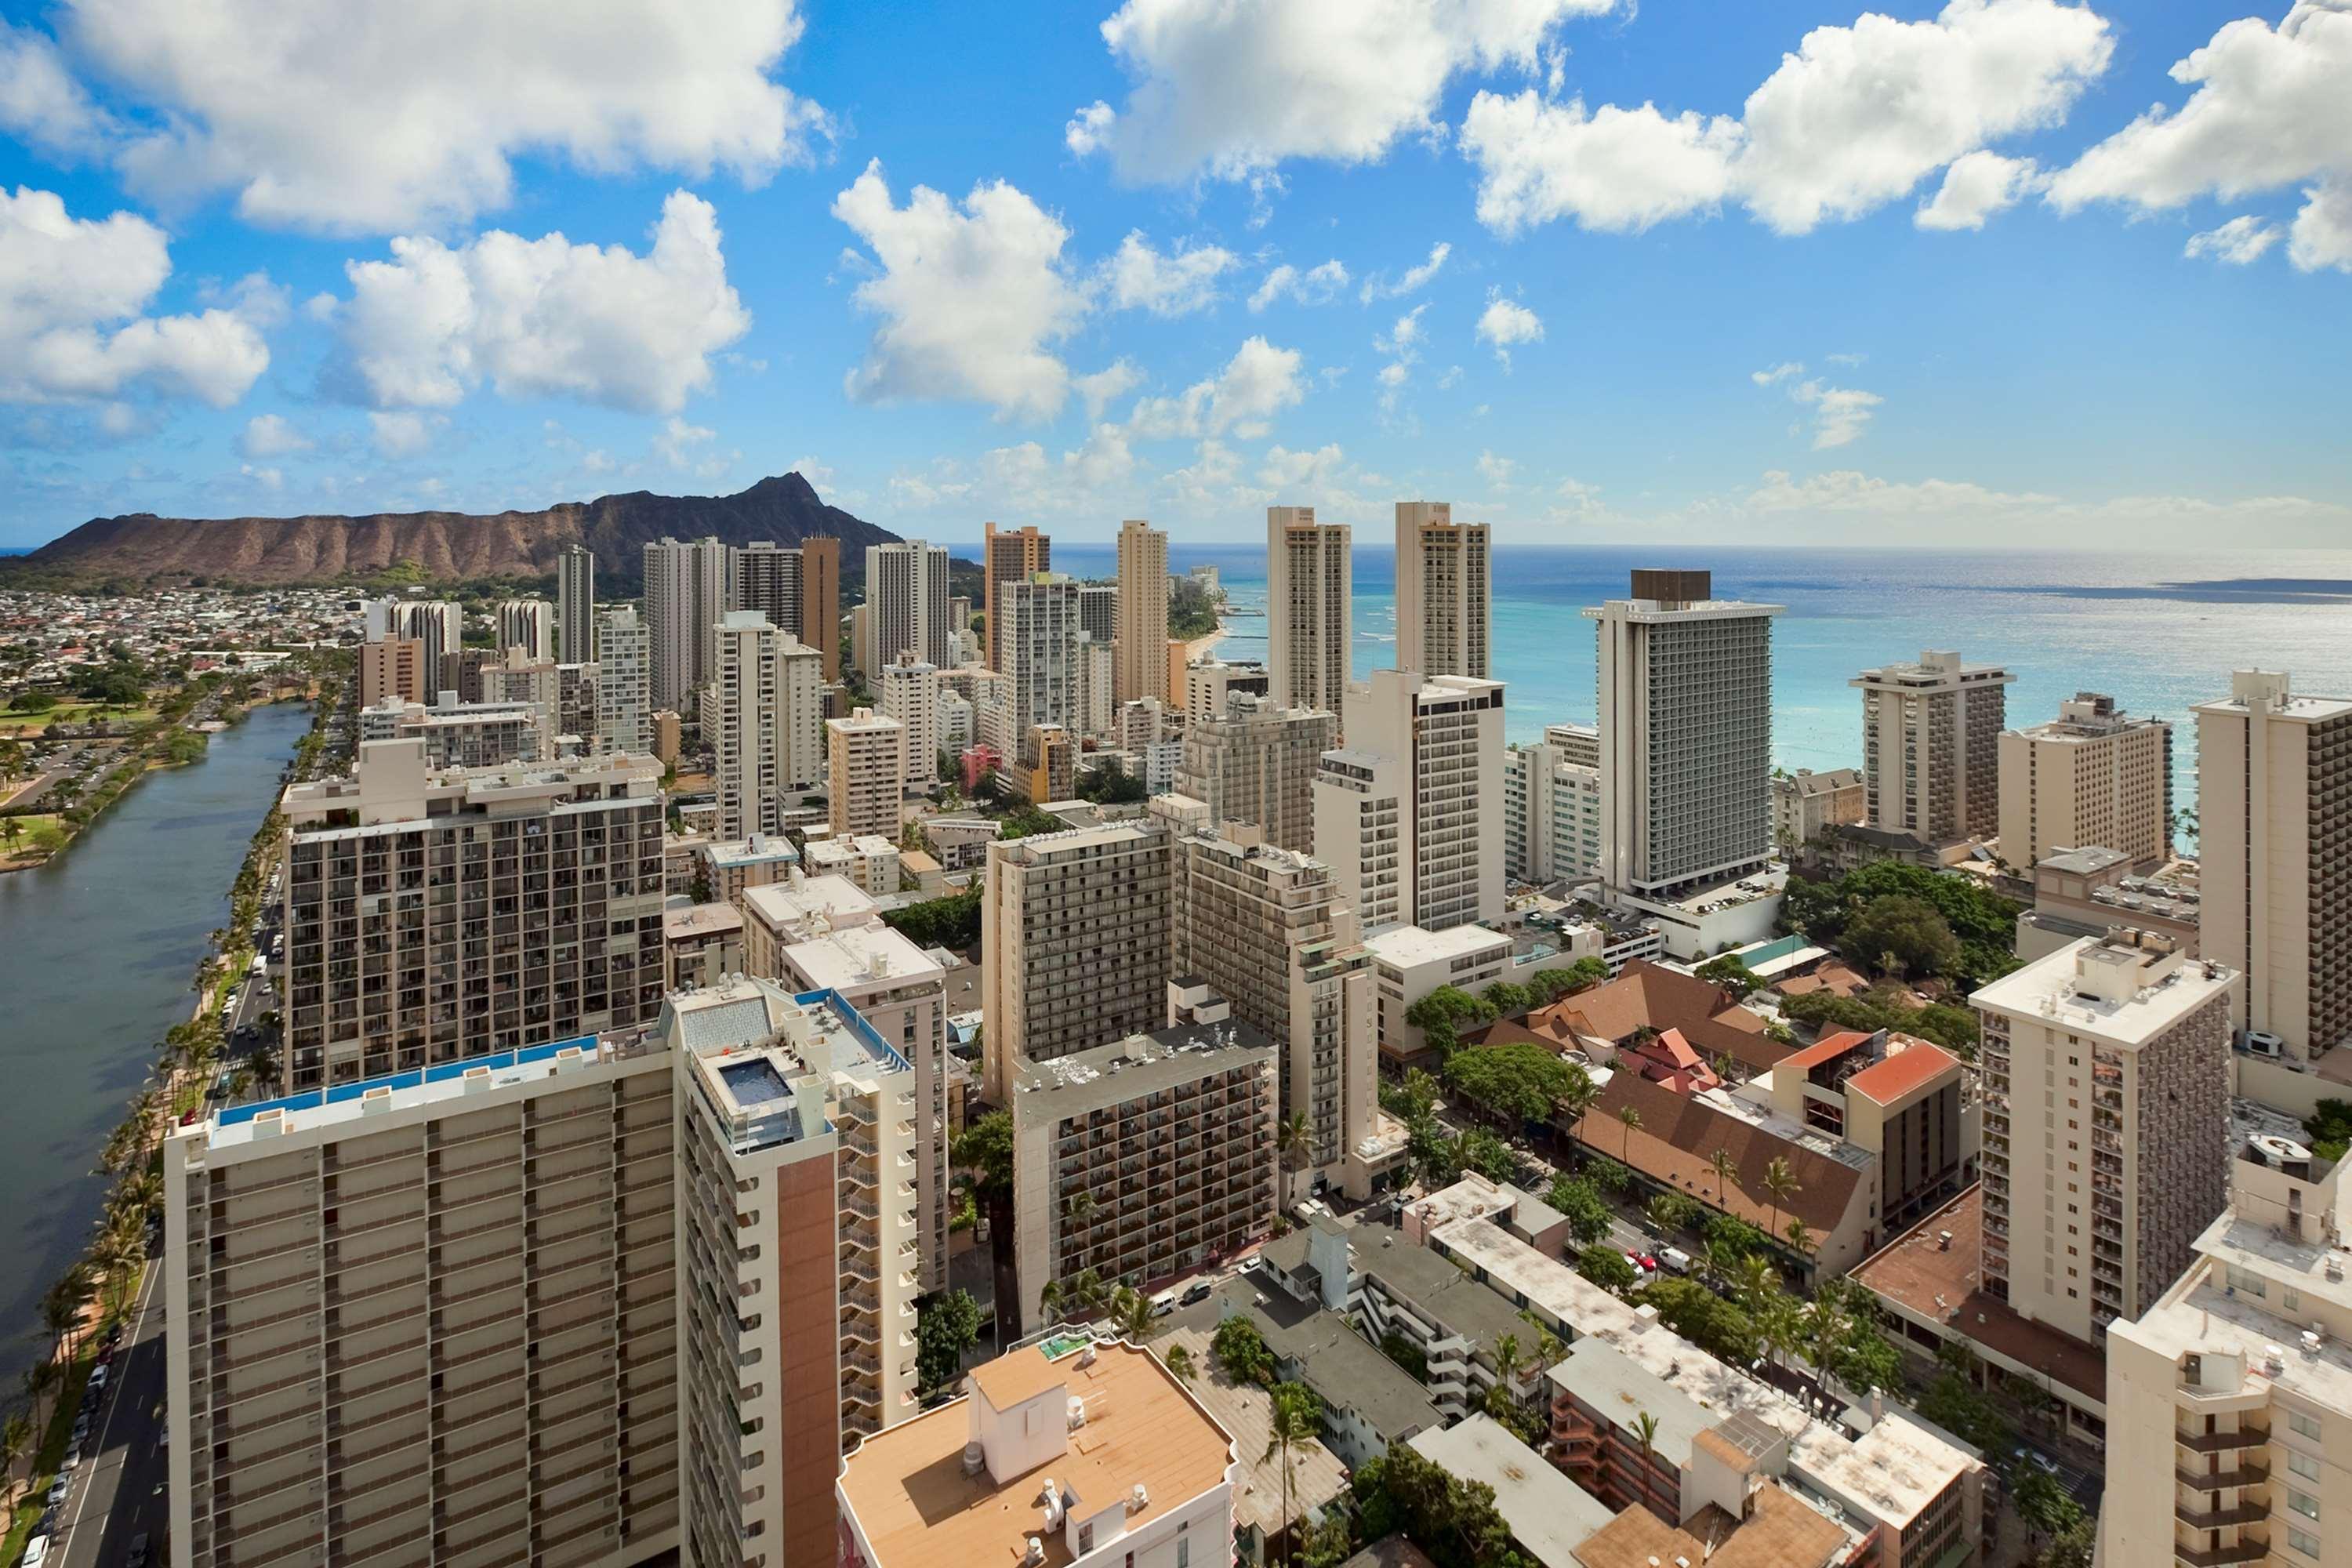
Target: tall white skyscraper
{"type": "Point", "coordinates": [1409, 814]}
{"type": "Point", "coordinates": [768, 696]}
{"type": "Point", "coordinates": [686, 593]}
{"type": "Point", "coordinates": [905, 606]}
{"type": "Point", "coordinates": [575, 604]}
{"type": "Point", "coordinates": [1444, 592]}
{"type": "Point", "coordinates": [1142, 645]}
{"type": "Point", "coordinates": [625, 707]}
{"type": "Point", "coordinates": [436, 624]}
{"type": "Point", "coordinates": [1309, 579]}
{"type": "Point", "coordinates": [2274, 840]}
{"type": "Point", "coordinates": [1038, 650]}
{"type": "Point", "coordinates": [1686, 700]}
{"type": "Point", "coordinates": [529, 624]}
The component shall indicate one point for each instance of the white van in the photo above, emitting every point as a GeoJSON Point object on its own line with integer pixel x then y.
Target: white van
{"type": "Point", "coordinates": [1676, 1259]}
{"type": "Point", "coordinates": [1163, 1303]}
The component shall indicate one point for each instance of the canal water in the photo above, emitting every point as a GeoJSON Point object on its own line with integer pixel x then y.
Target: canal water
{"type": "Point", "coordinates": [97, 949]}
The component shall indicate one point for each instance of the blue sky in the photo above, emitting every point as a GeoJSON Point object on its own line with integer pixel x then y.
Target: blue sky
{"type": "Point", "coordinates": [2004, 271]}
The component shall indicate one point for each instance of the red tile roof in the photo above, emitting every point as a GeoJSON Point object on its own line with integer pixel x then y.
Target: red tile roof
{"type": "Point", "coordinates": [1902, 1073]}
{"type": "Point", "coordinates": [1679, 1135]}
{"type": "Point", "coordinates": [1829, 1047]}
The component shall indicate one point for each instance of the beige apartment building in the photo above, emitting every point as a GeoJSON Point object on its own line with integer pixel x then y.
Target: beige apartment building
{"type": "Point", "coordinates": [528, 625]}
{"type": "Point", "coordinates": [1013, 555]}
{"type": "Point", "coordinates": [1806, 804]}
{"type": "Point", "coordinates": [1035, 629]}
{"type": "Point", "coordinates": [902, 992]}
{"type": "Point", "coordinates": [1075, 942]}
{"type": "Point", "coordinates": [463, 735]}
{"type": "Point", "coordinates": [1685, 683]}
{"type": "Point", "coordinates": [392, 669]}
{"type": "Point", "coordinates": [1143, 1158]}
{"type": "Point", "coordinates": [2274, 838]}
{"type": "Point", "coordinates": [798, 1261]}
{"type": "Point", "coordinates": [1552, 814]}
{"type": "Point", "coordinates": [1142, 643]}
{"type": "Point", "coordinates": [910, 694]}
{"type": "Point", "coordinates": [685, 597]}
{"type": "Point", "coordinates": [431, 1323]}
{"type": "Point", "coordinates": [625, 707]}
{"type": "Point", "coordinates": [1930, 746]}
{"type": "Point", "coordinates": [2230, 1398]}
{"type": "Point", "coordinates": [906, 608]}
{"type": "Point", "coordinates": [865, 783]}
{"type": "Point", "coordinates": [1254, 761]}
{"type": "Point", "coordinates": [1309, 608]}
{"type": "Point", "coordinates": [1409, 814]}
{"type": "Point", "coordinates": [797, 908]}
{"type": "Point", "coordinates": [1262, 927]}
{"type": "Point", "coordinates": [1210, 685]}
{"type": "Point", "coordinates": [1444, 594]}
{"type": "Point", "coordinates": [435, 915]}
{"type": "Point", "coordinates": [766, 706]}
{"type": "Point", "coordinates": [2105, 1069]}
{"type": "Point", "coordinates": [2093, 775]}
{"type": "Point", "coordinates": [797, 588]}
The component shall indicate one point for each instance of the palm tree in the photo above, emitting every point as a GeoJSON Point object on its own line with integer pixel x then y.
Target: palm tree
{"type": "Point", "coordinates": [1049, 1300]}
{"type": "Point", "coordinates": [1645, 1431]}
{"type": "Point", "coordinates": [1578, 1096]}
{"type": "Point", "coordinates": [1294, 1138]}
{"type": "Point", "coordinates": [1179, 1360]}
{"type": "Point", "coordinates": [1780, 1184]}
{"type": "Point", "coordinates": [16, 1441]}
{"type": "Point", "coordinates": [1550, 1346]}
{"type": "Point", "coordinates": [1632, 1121]}
{"type": "Point", "coordinates": [1722, 1164]}
{"type": "Point", "coordinates": [1778, 1327]}
{"type": "Point", "coordinates": [1296, 1416]}
{"type": "Point", "coordinates": [1130, 1313]}
{"type": "Point", "coordinates": [1798, 1236]}
{"type": "Point", "coordinates": [1754, 1281]}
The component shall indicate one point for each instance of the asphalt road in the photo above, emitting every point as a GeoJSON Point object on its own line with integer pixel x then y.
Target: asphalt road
{"type": "Point", "coordinates": [120, 1490]}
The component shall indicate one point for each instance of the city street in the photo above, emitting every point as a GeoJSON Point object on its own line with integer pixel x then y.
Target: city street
{"type": "Point", "coordinates": [120, 1491]}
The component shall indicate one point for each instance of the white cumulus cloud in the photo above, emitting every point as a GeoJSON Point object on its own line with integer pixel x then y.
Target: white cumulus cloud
{"type": "Point", "coordinates": [1315, 286]}
{"type": "Point", "coordinates": [1106, 386]}
{"type": "Point", "coordinates": [73, 298]}
{"type": "Point", "coordinates": [271, 436]}
{"type": "Point", "coordinates": [1230, 90]}
{"type": "Point", "coordinates": [41, 102]}
{"type": "Point", "coordinates": [1975, 187]}
{"type": "Point", "coordinates": [400, 433]}
{"type": "Point", "coordinates": [1380, 286]}
{"type": "Point", "coordinates": [1256, 384]}
{"type": "Point", "coordinates": [969, 297]}
{"type": "Point", "coordinates": [1139, 278]}
{"type": "Point", "coordinates": [383, 115]}
{"type": "Point", "coordinates": [1504, 322]}
{"type": "Point", "coordinates": [2270, 109]}
{"type": "Point", "coordinates": [545, 317]}
{"type": "Point", "coordinates": [2238, 242]}
{"type": "Point", "coordinates": [1856, 118]}
{"type": "Point", "coordinates": [1838, 412]}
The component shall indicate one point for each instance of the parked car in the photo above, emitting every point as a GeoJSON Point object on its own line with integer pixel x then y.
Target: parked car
{"type": "Point", "coordinates": [98, 1380]}
{"type": "Point", "coordinates": [138, 1558]}
{"type": "Point", "coordinates": [1199, 1290]}
{"type": "Point", "coordinates": [37, 1552]}
{"type": "Point", "coordinates": [1676, 1260]}
{"type": "Point", "coordinates": [57, 1493]}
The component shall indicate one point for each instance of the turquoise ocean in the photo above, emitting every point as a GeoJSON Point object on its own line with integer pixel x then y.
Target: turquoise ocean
{"type": "Point", "coordinates": [2156, 630]}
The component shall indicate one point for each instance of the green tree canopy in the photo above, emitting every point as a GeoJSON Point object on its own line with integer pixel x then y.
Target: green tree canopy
{"type": "Point", "coordinates": [1607, 1266]}
{"type": "Point", "coordinates": [953, 921]}
{"type": "Point", "coordinates": [1513, 1083]}
{"type": "Point", "coordinates": [1733, 974]}
{"type": "Point", "coordinates": [1902, 933]}
{"type": "Point", "coordinates": [1580, 1203]}
{"type": "Point", "coordinates": [946, 1325]}
{"type": "Point", "coordinates": [1444, 1013]}
{"type": "Point", "coordinates": [1704, 1318]}
{"type": "Point", "coordinates": [1242, 1350]}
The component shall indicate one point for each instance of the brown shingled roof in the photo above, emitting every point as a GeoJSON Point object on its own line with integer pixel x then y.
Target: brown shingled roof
{"type": "Point", "coordinates": [1678, 1136]}
{"type": "Point", "coordinates": [1648, 995]}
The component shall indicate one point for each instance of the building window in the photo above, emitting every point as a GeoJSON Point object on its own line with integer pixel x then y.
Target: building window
{"type": "Point", "coordinates": [2303, 1465]}
{"type": "Point", "coordinates": [2306, 1544]}
{"type": "Point", "coordinates": [2246, 1284]}
{"type": "Point", "coordinates": [2303, 1503]}
{"type": "Point", "coordinates": [2303, 1426]}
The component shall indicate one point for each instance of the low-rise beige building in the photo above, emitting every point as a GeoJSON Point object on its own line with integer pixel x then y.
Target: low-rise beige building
{"type": "Point", "coordinates": [1806, 804]}
{"type": "Point", "coordinates": [867, 860]}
